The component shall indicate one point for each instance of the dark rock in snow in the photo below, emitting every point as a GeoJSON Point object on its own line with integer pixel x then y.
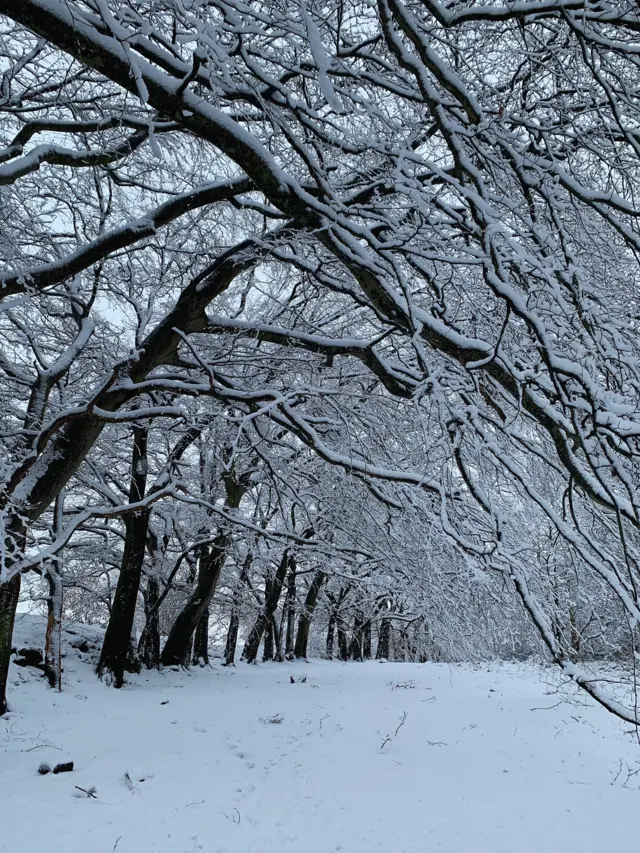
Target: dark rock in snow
{"type": "Point", "coordinates": [29, 657]}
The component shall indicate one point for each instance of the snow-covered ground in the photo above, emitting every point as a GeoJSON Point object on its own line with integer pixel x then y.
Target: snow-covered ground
{"type": "Point", "coordinates": [487, 760]}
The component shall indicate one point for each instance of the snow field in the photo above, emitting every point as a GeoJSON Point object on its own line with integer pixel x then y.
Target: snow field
{"type": "Point", "coordinates": [403, 758]}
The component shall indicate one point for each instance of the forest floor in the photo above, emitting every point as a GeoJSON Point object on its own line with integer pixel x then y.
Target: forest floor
{"type": "Point", "coordinates": [404, 758]}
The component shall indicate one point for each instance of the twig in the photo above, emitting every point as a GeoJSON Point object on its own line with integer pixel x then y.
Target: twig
{"type": "Point", "coordinates": [90, 793]}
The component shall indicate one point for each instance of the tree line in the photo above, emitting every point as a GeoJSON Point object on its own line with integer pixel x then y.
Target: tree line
{"type": "Point", "coordinates": [337, 296]}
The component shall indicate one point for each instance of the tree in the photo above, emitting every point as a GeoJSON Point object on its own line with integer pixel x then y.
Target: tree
{"type": "Point", "coordinates": [453, 188]}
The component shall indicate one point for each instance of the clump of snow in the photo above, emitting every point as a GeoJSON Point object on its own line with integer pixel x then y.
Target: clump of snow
{"type": "Point", "coordinates": [406, 758]}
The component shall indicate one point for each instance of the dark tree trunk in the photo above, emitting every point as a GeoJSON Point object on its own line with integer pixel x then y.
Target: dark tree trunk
{"type": "Point", "coordinates": [278, 635]}
{"type": "Point", "coordinates": [343, 642]}
{"type": "Point", "coordinates": [357, 638]}
{"type": "Point", "coordinates": [201, 640]}
{"type": "Point", "coordinates": [232, 639]}
{"type": "Point", "coordinates": [331, 630]}
{"type": "Point", "coordinates": [53, 636]}
{"type": "Point", "coordinates": [234, 621]}
{"type": "Point", "coordinates": [304, 622]}
{"type": "Point", "coordinates": [576, 638]}
{"type": "Point", "coordinates": [384, 638]}
{"type": "Point", "coordinates": [149, 645]}
{"type": "Point", "coordinates": [9, 595]}
{"type": "Point", "coordinates": [118, 656]}
{"type": "Point", "coordinates": [267, 651]}
{"type": "Point", "coordinates": [177, 649]}
{"type": "Point", "coordinates": [366, 640]}
{"type": "Point", "coordinates": [403, 644]}
{"type": "Point", "coordinates": [132, 663]}
{"type": "Point", "coordinates": [272, 597]}
{"type": "Point", "coordinates": [290, 609]}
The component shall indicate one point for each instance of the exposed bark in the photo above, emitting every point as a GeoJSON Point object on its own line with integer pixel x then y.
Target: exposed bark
{"type": "Point", "coordinates": [149, 645]}
{"type": "Point", "coordinates": [53, 636]}
{"type": "Point", "coordinates": [402, 645]}
{"type": "Point", "coordinates": [132, 661]}
{"type": "Point", "coordinates": [356, 649]}
{"type": "Point", "coordinates": [269, 642]}
{"type": "Point", "coordinates": [278, 635]}
{"type": "Point", "coordinates": [576, 637]}
{"type": "Point", "coordinates": [232, 638]}
{"type": "Point", "coordinates": [384, 638]}
{"type": "Point", "coordinates": [366, 640]}
{"type": "Point", "coordinates": [343, 641]}
{"type": "Point", "coordinates": [9, 595]}
{"type": "Point", "coordinates": [118, 655]}
{"type": "Point", "coordinates": [331, 630]}
{"type": "Point", "coordinates": [201, 640]}
{"type": "Point", "coordinates": [265, 619]}
{"type": "Point", "coordinates": [304, 622]}
{"type": "Point", "coordinates": [290, 610]}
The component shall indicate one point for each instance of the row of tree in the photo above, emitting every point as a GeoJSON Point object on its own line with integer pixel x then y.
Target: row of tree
{"type": "Point", "coordinates": [305, 295]}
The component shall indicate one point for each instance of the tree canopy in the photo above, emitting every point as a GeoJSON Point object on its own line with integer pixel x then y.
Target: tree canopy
{"type": "Point", "coordinates": [344, 290]}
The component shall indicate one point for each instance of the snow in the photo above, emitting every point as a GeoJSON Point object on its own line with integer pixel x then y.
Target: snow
{"type": "Point", "coordinates": [489, 760]}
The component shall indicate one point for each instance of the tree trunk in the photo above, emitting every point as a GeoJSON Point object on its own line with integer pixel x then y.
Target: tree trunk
{"type": "Point", "coordinates": [53, 636]}
{"type": "Point", "coordinates": [9, 595]}
{"type": "Point", "coordinates": [232, 639]}
{"type": "Point", "coordinates": [576, 638]}
{"type": "Point", "coordinates": [278, 635]}
{"type": "Point", "coordinates": [403, 645]}
{"type": "Point", "coordinates": [265, 619]}
{"type": "Point", "coordinates": [267, 651]}
{"type": "Point", "coordinates": [331, 630]}
{"type": "Point", "coordinates": [234, 621]}
{"type": "Point", "coordinates": [149, 645]}
{"type": "Point", "coordinates": [366, 640]}
{"type": "Point", "coordinates": [384, 638]}
{"type": "Point", "coordinates": [132, 662]}
{"type": "Point", "coordinates": [117, 656]}
{"type": "Point", "coordinates": [177, 649]}
{"type": "Point", "coordinates": [290, 609]}
{"type": "Point", "coordinates": [343, 643]}
{"type": "Point", "coordinates": [357, 639]}
{"type": "Point", "coordinates": [201, 640]}
{"type": "Point", "coordinates": [304, 622]}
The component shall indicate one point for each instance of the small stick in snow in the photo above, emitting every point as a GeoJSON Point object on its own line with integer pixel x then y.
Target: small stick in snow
{"type": "Point", "coordinates": [388, 738]}
{"type": "Point", "coordinates": [91, 792]}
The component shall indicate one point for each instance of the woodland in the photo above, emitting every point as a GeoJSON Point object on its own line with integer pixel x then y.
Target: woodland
{"type": "Point", "coordinates": [319, 333]}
